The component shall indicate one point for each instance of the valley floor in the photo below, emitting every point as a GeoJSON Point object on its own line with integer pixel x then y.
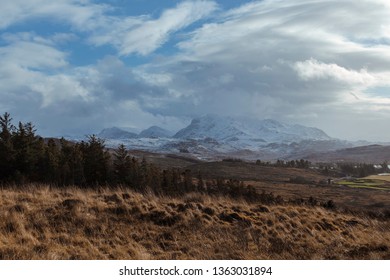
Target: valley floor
{"type": "Point", "coordinates": [39, 222]}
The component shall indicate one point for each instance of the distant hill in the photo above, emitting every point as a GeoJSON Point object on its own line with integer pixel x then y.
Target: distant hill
{"type": "Point", "coordinates": [116, 133]}
{"type": "Point", "coordinates": [214, 137]}
{"type": "Point", "coordinates": [155, 132]}
{"type": "Point", "coordinates": [368, 154]}
{"type": "Point", "coordinates": [236, 129]}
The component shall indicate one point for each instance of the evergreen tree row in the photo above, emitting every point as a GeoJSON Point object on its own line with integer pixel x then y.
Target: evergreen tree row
{"type": "Point", "coordinates": [281, 163]}
{"type": "Point", "coordinates": [28, 158]}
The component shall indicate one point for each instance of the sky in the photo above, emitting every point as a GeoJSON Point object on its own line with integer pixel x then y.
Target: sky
{"type": "Point", "coordinates": [74, 67]}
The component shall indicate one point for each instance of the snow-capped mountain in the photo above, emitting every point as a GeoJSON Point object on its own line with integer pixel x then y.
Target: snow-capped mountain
{"type": "Point", "coordinates": [238, 129]}
{"type": "Point", "coordinates": [212, 136]}
{"type": "Point", "coordinates": [116, 133]}
{"type": "Point", "coordinates": [155, 132]}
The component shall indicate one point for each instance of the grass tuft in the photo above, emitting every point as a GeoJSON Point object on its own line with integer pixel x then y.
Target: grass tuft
{"type": "Point", "coordinates": [40, 222]}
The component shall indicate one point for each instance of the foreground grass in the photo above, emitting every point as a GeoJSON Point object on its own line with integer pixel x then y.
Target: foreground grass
{"type": "Point", "coordinates": [43, 223]}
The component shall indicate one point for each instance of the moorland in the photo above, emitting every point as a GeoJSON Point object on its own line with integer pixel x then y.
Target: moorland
{"type": "Point", "coordinates": [66, 200]}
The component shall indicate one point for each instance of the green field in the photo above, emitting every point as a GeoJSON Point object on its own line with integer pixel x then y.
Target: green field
{"type": "Point", "coordinates": [365, 183]}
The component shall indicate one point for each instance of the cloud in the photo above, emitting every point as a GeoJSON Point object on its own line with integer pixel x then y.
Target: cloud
{"type": "Point", "coordinates": [128, 34]}
{"type": "Point", "coordinates": [26, 59]}
{"type": "Point", "coordinates": [313, 69]}
{"type": "Point", "coordinates": [315, 36]}
{"type": "Point", "coordinates": [79, 13]}
{"type": "Point", "coordinates": [27, 50]}
{"type": "Point", "coordinates": [31, 74]}
{"type": "Point", "coordinates": [37, 83]}
{"type": "Point", "coordinates": [37, 79]}
{"type": "Point", "coordinates": [314, 62]}
{"type": "Point", "coordinates": [285, 60]}
{"type": "Point", "coordinates": [143, 35]}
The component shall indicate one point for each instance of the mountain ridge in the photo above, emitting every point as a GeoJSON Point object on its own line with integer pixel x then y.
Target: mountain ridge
{"type": "Point", "coordinates": [116, 133]}
{"type": "Point", "coordinates": [155, 132]}
{"type": "Point", "coordinates": [212, 136]}
{"type": "Point", "coordinates": [267, 130]}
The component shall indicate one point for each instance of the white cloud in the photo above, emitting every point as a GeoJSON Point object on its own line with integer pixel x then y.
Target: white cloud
{"type": "Point", "coordinates": [313, 69]}
{"type": "Point", "coordinates": [132, 34]}
{"type": "Point", "coordinates": [60, 87]}
{"type": "Point", "coordinates": [79, 100]}
{"type": "Point", "coordinates": [79, 13]}
{"type": "Point", "coordinates": [30, 51]}
{"type": "Point", "coordinates": [287, 59]}
{"type": "Point", "coordinates": [314, 62]}
{"type": "Point", "coordinates": [25, 60]}
{"type": "Point", "coordinates": [144, 35]}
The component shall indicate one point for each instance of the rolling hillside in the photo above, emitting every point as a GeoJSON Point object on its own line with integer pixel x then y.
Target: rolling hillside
{"type": "Point", "coordinates": [368, 154]}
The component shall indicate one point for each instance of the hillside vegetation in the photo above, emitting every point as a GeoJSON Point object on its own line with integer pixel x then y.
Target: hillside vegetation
{"type": "Point", "coordinates": [39, 222]}
{"type": "Point", "coordinates": [64, 200]}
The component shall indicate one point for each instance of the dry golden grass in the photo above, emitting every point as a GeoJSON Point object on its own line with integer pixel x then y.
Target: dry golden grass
{"type": "Point", "coordinates": [385, 178]}
{"type": "Point", "coordinates": [43, 223]}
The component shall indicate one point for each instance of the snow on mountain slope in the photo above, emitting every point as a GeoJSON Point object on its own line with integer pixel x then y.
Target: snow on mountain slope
{"type": "Point", "coordinates": [211, 136]}
{"type": "Point", "coordinates": [240, 129]}
{"type": "Point", "coordinates": [116, 133]}
{"type": "Point", "coordinates": [155, 132]}
{"type": "Point", "coordinates": [216, 127]}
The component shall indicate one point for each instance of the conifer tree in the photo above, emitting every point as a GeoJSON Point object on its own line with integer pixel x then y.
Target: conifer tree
{"type": "Point", "coordinates": [6, 147]}
{"type": "Point", "coordinates": [144, 176]}
{"type": "Point", "coordinates": [96, 161]}
{"type": "Point", "coordinates": [51, 164]}
{"type": "Point", "coordinates": [122, 165]}
{"type": "Point", "coordinates": [71, 164]}
{"type": "Point", "coordinates": [28, 152]}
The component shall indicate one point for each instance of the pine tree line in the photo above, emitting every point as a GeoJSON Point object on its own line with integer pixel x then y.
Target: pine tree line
{"type": "Point", "coordinates": [281, 163]}
{"type": "Point", "coordinates": [28, 158]}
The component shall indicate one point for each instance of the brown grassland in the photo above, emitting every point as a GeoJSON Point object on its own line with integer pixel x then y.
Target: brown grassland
{"type": "Point", "coordinates": [385, 178]}
{"type": "Point", "coordinates": [40, 222]}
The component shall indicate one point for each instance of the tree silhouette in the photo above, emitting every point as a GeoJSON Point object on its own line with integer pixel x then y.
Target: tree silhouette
{"type": "Point", "coordinates": [96, 161]}
{"type": "Point", "coordinates": [6, 147]}
{"type": "Point", "coordinates": [122, 166]}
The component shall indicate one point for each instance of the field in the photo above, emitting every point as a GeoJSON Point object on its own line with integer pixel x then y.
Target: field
{"type": "Point", "coordinates": [385, 178]}
{"type": "Point", "coordinates": [373, 182]}
{"type": "Point", "coordinates": [39, 222]}
{"type": "Point", "coordinates": [373, 196]}
{"type": "Point", "coordinates": [311, 220]}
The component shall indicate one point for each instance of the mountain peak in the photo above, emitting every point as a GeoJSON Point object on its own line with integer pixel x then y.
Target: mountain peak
{"type": "Point", "coordinates": [116, 133]}
{"type": "Point", "coordinates": [155, 132]}
{"type": "Point", "coordinates": [210, 126]}
{"type": "Point", "coordinates": [269, 130]}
